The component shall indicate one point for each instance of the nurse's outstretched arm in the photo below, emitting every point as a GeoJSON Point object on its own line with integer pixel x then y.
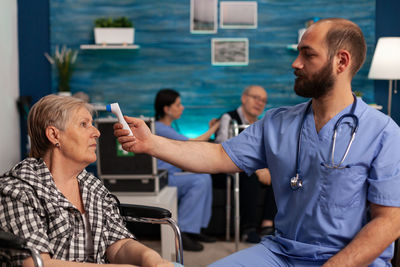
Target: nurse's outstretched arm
{"type": "Point", "coordinates": [201, 157]}
{"type": "Point", "coordinates": [372, 240]}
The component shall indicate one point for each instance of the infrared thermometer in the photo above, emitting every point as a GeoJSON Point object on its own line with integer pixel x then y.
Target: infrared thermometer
{"type": "Point", "coordinates": [114, 108]}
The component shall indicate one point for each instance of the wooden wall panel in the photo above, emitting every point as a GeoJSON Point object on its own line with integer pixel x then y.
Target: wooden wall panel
{"type": "Point", "coordinates": [170, 56]}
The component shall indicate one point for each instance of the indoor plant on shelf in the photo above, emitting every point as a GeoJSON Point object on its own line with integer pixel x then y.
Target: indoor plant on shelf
{"type": "Point", "coordinates": [114, 31]}
{"type": "Point", "coordinates": [64, 60]}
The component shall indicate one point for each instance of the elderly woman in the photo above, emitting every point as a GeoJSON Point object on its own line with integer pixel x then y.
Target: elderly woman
{"type": "Point", "coordinates": [60, 209]}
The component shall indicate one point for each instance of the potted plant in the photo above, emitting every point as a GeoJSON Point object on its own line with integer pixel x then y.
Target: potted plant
{"type": "Point", "coordinates": [358, 93]}
{"type": "Point", "coordinates": [64, 60]}
{"type": "Point", "coordinates": [114, 31]}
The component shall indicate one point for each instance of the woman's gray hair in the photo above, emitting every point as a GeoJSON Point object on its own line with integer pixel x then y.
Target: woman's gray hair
{"type": "Point", "coordinates": [50, 110]}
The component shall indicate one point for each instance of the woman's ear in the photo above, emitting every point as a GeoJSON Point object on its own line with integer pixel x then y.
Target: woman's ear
{"type": "Point", "coordinates": [166, 110]}
{"type": "Point", "coordinates": [53, 134]}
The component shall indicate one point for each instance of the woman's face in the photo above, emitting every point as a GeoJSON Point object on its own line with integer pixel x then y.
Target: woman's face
{"type": "Point", "coordinates": [78, 140]}
{"type": "Point", "coordinates": [175, 109]}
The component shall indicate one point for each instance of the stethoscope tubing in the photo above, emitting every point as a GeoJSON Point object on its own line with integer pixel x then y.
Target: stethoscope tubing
{"type": "Point", "coordinates": [353, 134]}
{"type": "Point", "coordinates": [296, 181]}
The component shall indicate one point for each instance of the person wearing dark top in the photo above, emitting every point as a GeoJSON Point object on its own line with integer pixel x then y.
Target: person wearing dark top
{"type": "Point", "coordinates": [253, 99]}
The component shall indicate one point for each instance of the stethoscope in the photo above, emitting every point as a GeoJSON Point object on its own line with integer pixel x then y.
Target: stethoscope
{"type": "Point", "coordinates": [296, 182]}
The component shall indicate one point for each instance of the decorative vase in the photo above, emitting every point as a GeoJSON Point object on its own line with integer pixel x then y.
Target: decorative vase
{"type": "Point", "coordinates": [64, 93]}
{"type": "Point", "coordinates": [64, 76]}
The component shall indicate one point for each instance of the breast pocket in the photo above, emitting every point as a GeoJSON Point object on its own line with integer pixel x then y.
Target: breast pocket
{"type": "Point", "coordinates": [59, 225]}
{"type": "Point", "coordinates": [343, 188]}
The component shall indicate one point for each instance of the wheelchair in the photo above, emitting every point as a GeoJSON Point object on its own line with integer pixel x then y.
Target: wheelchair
{"type": "Point", "coordinates": [130, 213]}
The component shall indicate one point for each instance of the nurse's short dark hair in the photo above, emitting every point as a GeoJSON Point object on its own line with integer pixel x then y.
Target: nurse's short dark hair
{"type": "Point", "coordinates": [345, 34]}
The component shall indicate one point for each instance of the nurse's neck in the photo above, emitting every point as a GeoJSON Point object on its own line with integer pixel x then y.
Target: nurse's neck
{"type": "Point", "coordinates": [167, 120]}
{"type": "Point", "coordinates": [328, 106]}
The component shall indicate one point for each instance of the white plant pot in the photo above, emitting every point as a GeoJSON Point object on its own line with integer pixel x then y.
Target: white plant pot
{"type": "Point", "coordinates": [64, 93]}
{"type": "Point", "coordinates": [114, 35]}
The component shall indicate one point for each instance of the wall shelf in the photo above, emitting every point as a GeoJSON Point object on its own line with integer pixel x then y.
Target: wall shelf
{"type": "Point", "coordinates": [376, 106]}
{"type": "Point", "coordinates": [292, 47]}
{"type": "Point", "coordinates": [99, 107]}
{"type": "Point", "coordinates": [109, 47]}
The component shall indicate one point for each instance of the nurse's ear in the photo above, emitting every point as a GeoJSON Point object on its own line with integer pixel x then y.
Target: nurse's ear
{"type": "Point", "coordinates": [343, 59]}
{"type": "Point", "coordinates": [53, 134]}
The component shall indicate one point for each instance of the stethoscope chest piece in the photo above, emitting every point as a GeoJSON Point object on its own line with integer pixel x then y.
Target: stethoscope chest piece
{"type": "Point", "coordinates": [296, 182]}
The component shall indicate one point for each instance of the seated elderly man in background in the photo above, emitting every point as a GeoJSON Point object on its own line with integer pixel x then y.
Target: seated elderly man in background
{"type": "Point", "coordinates": [253, 99]}
{"type": "Point", "coordinates": [51, 201]}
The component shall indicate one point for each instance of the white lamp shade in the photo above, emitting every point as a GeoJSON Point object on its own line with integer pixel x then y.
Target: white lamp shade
{"type": "Point", "coordinates": [386, 61]}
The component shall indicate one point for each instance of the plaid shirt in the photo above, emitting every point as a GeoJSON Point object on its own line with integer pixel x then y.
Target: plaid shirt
{"type": "Point", "coordinates": [32, 207]}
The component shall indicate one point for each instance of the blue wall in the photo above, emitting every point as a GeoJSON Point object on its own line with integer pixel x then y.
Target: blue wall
{"type": "Point", "coordinates": [33, 17]}
{"type": "Point", "coordinates": [387, 24]}
{"type": "Point", "coordinates": [33, 41]}
{"type": "Point", "coordinates": [172, 57]}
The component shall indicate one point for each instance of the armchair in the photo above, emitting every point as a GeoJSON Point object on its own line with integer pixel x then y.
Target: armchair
{"type": "Point", "coordinates": [155, 215]}
{"type": "Point", "coordinates": [10, 241]}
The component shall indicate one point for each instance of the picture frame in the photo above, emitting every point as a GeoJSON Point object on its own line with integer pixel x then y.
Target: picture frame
{"type": "Point", "coordinates": [230, 51]}
{"type": "Point", "coordinates": [203, 16]}
{"type": "Point", "coordinates": [238, 15]}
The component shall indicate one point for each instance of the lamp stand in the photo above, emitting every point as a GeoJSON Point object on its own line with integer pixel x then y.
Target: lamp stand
{"type": "Point", "coordinates": [390, 97]}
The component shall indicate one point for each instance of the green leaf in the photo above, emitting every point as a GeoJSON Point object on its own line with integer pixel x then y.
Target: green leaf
{"type": "Point", "coordinates": [120, 22]}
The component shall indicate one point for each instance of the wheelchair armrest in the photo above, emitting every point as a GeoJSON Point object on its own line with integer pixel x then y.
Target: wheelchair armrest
{"type": "Point", "coordinates": [143, 211]}
{"type": "Point", "coordinates": [11, 241]}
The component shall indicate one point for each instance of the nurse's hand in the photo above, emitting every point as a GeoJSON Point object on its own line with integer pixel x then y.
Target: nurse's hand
{"type": "Point", "coordinates": [212, 122]}
{"type": "Point", "coordinates": [214, 125]}
{"type": "Point", "coordinates": [264, 176]}
{"type": "Point", "coordinates": [141, 140]}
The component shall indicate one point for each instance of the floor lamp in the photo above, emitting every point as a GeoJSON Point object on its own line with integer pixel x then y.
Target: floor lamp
{"type": "Point", "coordinates": [386, 63]}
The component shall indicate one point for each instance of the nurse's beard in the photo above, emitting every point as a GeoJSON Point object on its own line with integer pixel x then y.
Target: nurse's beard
{"type": "Point", "coordinates": [318, 85]}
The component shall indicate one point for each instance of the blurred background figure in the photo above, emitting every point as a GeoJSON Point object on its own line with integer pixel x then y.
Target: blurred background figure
{"type": "Point", "coordinates": [194, 189]}
{"type": "Point", "coordinates": [254, 99]}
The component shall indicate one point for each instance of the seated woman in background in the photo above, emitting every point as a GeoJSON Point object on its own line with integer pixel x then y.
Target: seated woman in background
{"type": "Point", "coordinates": [51, 201]}
{"type": "Point", "coordinates": [194, 189]}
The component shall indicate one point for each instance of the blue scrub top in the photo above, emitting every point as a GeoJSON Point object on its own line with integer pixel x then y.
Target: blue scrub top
{"type": "Point", "coordinates": [317, 220]}
{"type": "Point", "coordinates": [171, 133]}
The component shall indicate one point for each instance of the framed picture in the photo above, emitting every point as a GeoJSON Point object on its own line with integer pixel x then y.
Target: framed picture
{"type": "Point", "coordinates": [230, 51]}
{"type": "Point", "coordinates": [238, 15]}
{"type": "Point", "coordinates": [203, 16]}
